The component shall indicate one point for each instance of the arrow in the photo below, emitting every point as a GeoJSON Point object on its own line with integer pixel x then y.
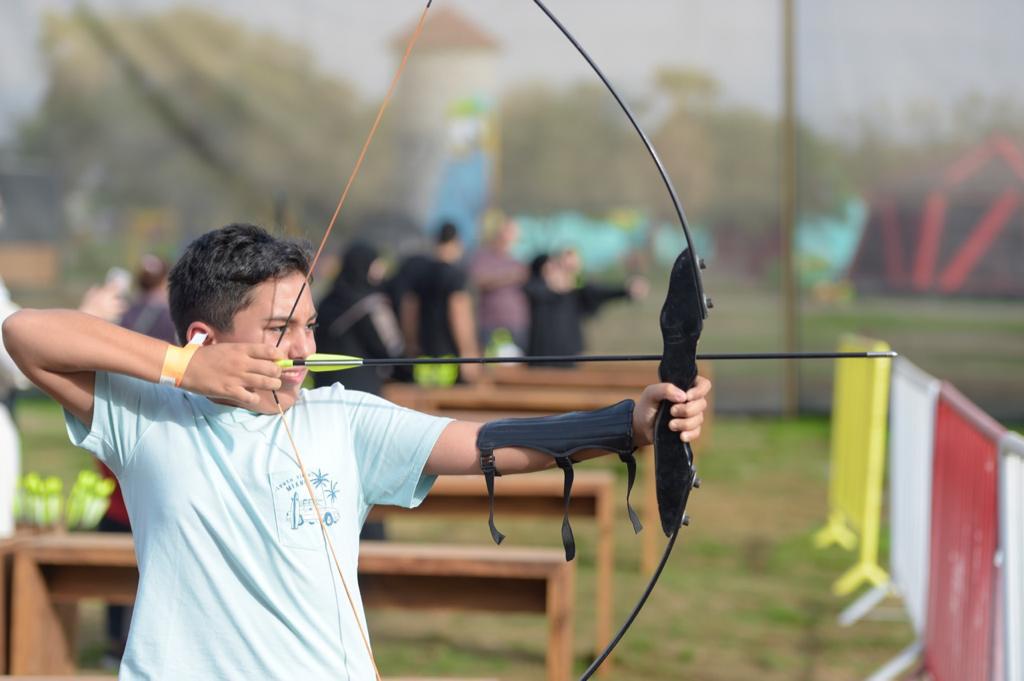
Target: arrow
{"type": "Point", "coordinates": [320, 362]}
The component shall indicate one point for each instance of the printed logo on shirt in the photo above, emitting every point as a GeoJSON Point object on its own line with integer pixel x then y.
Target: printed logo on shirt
{"type": "Point", "coordinates": [297, 525]}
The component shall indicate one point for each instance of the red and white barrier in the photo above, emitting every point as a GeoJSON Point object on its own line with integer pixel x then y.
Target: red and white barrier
{"type": "Point", "coordinates": [1011, 516]}
{"type": "Point", "coordinates": [963, 586]}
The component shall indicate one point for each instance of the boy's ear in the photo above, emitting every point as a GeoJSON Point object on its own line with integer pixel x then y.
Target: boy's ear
{"type": "Point", "coordinates": [201, 327]}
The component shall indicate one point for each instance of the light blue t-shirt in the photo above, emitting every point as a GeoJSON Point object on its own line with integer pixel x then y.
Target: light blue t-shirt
{"type": "Point", "coordinates": [235, 581]}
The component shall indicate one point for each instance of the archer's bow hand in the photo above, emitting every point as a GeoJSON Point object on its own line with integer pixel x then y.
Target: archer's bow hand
{"type": "Point", "coordinates": [687, 410]}
{"type": "Point", "coordinates": [235, 372]}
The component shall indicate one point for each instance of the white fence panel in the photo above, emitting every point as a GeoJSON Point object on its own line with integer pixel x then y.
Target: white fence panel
{"type": "Point", "coordinates": [913, 398]}
{"type": "Point", "coordinates": [911, 438]}
{"type": "Point", "coordinates": [1011, 528]}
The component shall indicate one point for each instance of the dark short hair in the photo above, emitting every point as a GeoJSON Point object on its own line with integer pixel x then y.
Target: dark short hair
{"type": "Point", "coordinates": [448, 232]}
{"type": "Point", "coordinates": [214, 278]}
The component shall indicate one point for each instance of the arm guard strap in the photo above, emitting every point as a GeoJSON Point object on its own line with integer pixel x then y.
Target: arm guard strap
{"type": "Point", "coordinates": [561, 436]}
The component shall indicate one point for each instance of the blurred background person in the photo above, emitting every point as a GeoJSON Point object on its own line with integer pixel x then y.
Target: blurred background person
{"type": "Point", "coordinates": [560, 303]}
{"type": "Point", "coordinates": [438, 309]}
{"type": "Point", "coordinates": [356, 318]}
{"type": "Point", "coordinates": [498, 279]}
{"type": "Point", "coordinates": [403, 301]}
{"type": "Point", "coordinates": [149, 312]}
{"type": "Point", "coordinates": [397, 287]}
{"type": "Point", "coordinates": [593, 295]}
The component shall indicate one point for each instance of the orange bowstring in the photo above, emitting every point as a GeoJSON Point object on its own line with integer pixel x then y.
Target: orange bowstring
{"type": "Point", "coordinates": [369, 138]}
{"type": "Point", "coordinates": [330, 543]}
{"type": "Point", "coordinates": [305, 284]}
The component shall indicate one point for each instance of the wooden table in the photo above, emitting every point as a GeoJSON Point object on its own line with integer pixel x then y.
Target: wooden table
{"type": "Point", "coordinates": [500, 398]}
{"type": "Point", "coordinates": [7, 548]}
{"type": "Point", "coordinates": [627, 378]}
{"type": "Point", "coordinates": [634, 376]}
{"type": "Point", "coordinates": [61, 569]}
{"type": "Point", "coordinates": [537, 494]}
{"type": "Point", "coordinates": [5, 554]}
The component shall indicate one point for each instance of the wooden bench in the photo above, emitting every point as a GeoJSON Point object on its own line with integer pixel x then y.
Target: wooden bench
{"type": "Point", "coordinates": [538, 494]}
{"type": "Point", "coordinates": [8, 547]}
{"type": "Point", "coordinates": [633, 376]}
{"type": "Point", "coordinates": [488, 397]}
{"type": "Point", "coordinates": [627, 378]}
{"type": "Point", "coordinates": [65, 568]}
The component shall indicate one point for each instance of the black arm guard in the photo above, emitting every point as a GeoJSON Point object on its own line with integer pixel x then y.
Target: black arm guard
{"type": "Point", "coordinates": [610, 429]}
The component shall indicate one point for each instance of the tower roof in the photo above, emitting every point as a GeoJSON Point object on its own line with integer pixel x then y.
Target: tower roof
{"type": "Point", "coordinates": [446, 29]}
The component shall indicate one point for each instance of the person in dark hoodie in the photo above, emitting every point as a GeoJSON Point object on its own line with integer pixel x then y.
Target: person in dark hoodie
{"type": "Point", "coordinates": [356, 318]}
{"type": "Point", "coordinates": [559, 303]}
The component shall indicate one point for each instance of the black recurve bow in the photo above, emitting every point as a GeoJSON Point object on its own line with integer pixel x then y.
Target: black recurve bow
{"type": "Point", "coordinates": [682, 320]}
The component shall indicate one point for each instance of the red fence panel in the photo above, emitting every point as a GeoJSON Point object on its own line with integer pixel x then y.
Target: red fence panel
{"type": "Point", "coordinates": [963, 585]}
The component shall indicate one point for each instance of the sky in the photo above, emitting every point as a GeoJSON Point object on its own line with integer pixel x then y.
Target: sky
{"type": "Point", "coordinates": [873, 58]}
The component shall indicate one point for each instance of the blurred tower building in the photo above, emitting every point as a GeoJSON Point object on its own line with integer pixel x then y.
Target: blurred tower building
{"type": "Point", "coordinates": [445, 123]}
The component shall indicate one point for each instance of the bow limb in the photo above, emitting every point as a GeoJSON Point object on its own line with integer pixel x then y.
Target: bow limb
{"type": "Point", "coordinates": [682, 318]}
{"type": "Point", "coordinates": [291, 313]}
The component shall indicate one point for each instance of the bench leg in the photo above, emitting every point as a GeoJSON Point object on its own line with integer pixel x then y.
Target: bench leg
{"type": "Point", "coordinates": [39, 641]}
{"type": "Point", "coordinates": [560, 591]}
{"type": "Point", "coordinates": [652, 520]}
{"type": "Point", "coordinates": [5, 559]}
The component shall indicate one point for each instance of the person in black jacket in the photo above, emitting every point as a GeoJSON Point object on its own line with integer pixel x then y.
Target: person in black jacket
{"type": "Point", "coordinates": [559, 303]}
{"type": "Point", "coordinates": [356, 318]}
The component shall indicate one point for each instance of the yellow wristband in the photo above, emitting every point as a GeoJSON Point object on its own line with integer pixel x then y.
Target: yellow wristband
{"type": "Point", "coordinates": [176, 360]}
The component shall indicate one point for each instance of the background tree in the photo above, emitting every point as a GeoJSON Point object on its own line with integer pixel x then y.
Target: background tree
{"type": "Point", "coordinates": [569, 150]}
{"type": "Point", "coordinates": [200, 117]}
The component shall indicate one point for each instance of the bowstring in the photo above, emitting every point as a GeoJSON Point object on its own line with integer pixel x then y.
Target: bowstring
{"type": "Point", "coordinates": [291, 313]}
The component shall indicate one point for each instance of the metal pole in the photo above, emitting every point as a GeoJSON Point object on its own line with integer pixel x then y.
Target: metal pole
{"type": "Point", "coordinates": [787, 213]}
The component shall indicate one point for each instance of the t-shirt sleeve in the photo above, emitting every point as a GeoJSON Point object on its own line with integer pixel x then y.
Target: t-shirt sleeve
{"type": "Point", "coordinates": [454, 279]}
{"type": "Point", "coordinates": [123, 409]}
{"type": "Point", "coordinates": [392, 445]}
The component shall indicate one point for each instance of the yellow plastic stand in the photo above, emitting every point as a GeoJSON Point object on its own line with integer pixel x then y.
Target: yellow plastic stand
{"type": "Point", "coordinates": [860, 410]}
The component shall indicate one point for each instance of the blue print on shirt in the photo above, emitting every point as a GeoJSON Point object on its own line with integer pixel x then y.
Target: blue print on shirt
{"type": "Point", "coordinates": [295, 514]}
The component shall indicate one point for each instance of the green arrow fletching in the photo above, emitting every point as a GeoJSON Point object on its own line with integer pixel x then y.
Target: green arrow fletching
{"type": "Point", "coordinates": [319, 361]}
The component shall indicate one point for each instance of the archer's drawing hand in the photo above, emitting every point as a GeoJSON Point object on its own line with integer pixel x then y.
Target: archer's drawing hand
{"type": "Point", "coordinates": [687, 410]}
{"type": "Point", "coordinates": [234, 372]}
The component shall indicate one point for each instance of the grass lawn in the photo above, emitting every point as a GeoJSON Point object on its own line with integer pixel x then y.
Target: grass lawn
{"type": "Point", "coordinates": [745, 595]}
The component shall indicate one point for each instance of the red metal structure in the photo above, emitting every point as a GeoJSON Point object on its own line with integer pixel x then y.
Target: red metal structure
{"type": "Point", "coordinates": [961, 630]}
{"type": "Point", "coordinates": [963, 235]}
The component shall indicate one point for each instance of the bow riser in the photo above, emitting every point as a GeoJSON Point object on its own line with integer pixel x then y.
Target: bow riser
{"type": "Point", "coordinates": [682, 319]}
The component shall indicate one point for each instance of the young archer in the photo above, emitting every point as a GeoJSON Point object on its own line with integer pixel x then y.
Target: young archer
{"type": "Point", "coordinates": [234, 581]}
